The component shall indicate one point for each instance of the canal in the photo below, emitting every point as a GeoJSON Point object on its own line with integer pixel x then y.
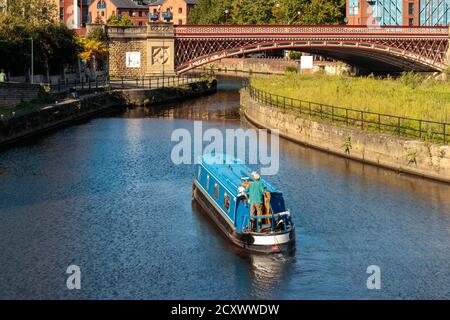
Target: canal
{"type": "Point", "coordinates": [105, 195]}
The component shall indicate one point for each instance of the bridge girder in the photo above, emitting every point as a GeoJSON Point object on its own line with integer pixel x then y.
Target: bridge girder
{"type": "Point", "coordinates": [379, 50]}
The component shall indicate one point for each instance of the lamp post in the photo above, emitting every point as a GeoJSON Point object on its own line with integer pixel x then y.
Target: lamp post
{"type": "Point", "coordinates": [277, 5]}
{"type": "Point", "coordinates": [299, 15]}
{"type": "Point", "coordinates": [32, 59]}
{"type": "Point", "coordinates": [226, 16]}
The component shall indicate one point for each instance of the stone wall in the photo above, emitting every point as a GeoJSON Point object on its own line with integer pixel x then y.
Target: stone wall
{"type": "Point", "coordinates": [12, 94]}
{"type": "Point", "coordinates": [117, 57]}
{"type": "Point", "coordinates": [252, 65]}
{"type": "Point", "coordinates": [400, 154]}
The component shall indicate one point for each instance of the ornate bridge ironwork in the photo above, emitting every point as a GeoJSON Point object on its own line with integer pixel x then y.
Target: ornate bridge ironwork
{"type": "Point", "coordinates": [383, 49]}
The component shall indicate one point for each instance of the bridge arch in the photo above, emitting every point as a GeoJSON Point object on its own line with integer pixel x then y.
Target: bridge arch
{"type": "Point", "coordinates": [373, 56]}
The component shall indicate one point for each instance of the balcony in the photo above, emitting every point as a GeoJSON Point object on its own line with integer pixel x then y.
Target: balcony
{"type": "Point", "coordinates": [167, 16]}
{"type": "Point", "coordinates": [153, 16]}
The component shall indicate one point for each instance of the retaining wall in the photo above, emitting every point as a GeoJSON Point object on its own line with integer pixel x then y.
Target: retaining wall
{"type": "Point", "coordinates": [420, 158]}
{"type": "Point", "coordinates": [12, 94]}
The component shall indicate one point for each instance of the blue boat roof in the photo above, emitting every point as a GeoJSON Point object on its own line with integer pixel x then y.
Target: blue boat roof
{"type": "Point", "coordinates": [230, 171]}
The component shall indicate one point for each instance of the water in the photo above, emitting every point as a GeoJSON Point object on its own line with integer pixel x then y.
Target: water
{"type": "Point", "coordinates": [105, 196]}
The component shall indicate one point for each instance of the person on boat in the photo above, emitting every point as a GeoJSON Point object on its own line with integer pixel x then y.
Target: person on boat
{"type": "Point", "coordinates": [255, 193]}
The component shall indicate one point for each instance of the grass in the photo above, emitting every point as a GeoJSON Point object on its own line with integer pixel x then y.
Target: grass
{"type": "Point", "coordinates": [408, 96]}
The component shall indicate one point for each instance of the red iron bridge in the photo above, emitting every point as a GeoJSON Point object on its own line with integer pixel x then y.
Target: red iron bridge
{"type": "Point", "coordinates": [374, 48]}
{"type": "Point", "coordinates": [381, 49]}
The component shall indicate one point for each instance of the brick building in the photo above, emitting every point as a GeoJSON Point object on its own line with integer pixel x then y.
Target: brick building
{"type": "Point", "coordinates": [398, 12]}
{"type": "Point", "coordinates": [176, 11]}
{"type": "Point", "coordinates": [74, 13]}
{"type": "Point", "coordinates": [101, 10]}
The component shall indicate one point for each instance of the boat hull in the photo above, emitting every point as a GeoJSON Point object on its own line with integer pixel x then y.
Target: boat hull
{"type": "Point", "coordinates": [282, 242]}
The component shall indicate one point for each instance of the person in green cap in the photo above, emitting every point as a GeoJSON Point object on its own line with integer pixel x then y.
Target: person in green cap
{"type": "Point", "coordinates": [2, 76]}
{"type": "Point", "coordinates": [255, 192]}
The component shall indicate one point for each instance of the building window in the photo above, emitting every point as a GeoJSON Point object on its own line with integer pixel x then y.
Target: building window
{"type": "Point", "coordinates": [130, 13]}
{"type": "Point", "coordinates": [140, 23]}
{"type": "Point", "coordinates": [101, 4]}
{"type": "Point", "coordinates": [180, 22]}
{"type": "Point", "coordinates": [103, 13]}
{"type": "Point", "coordinates": [411, 22]}
{"type": "Point", "coordinates": [216, 191]}
{"type": "Point", "coordinates": [411, 8]}
{"type": "Point", "coordinates": [140, 13]}
{"type": "Point", "coordinates": [61, 13]}
{"type": "Point", "coordinates": [226, 202]}
{"type": "Point", "coordinates": [180, 10]}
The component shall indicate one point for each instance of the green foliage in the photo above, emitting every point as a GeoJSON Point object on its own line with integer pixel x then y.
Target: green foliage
{"type": "Point", "coordinates": [294, 55]}
{"type": "Point", "coordinates": [430, 100]}
{"type": "Point", "coordinates": [267, 12]}
{"type": "Point", "coordinates": [289, 69]}
{"type": "Point", "coordinates": [347, 146]}
{"type": "Point", "coordinates": [120, 21]}
{"type": "Point", "coordinates": [54, 43]}
{"type": "Point", "coordinates": [97, 33]}
{"type": "Point", "coordinates": [411, 79]}
{"type": "Point", "coordinates": [411, 157]}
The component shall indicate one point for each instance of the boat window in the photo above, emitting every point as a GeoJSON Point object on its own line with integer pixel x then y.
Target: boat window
{"type": "Point", "coordinates": [226, 202]}
{"type": "Point", "coordinates": [216, 191]}
{"type": "Point", "coordinates": [207, 182]}
{"type": "Point", "coordinates": [199, 172]}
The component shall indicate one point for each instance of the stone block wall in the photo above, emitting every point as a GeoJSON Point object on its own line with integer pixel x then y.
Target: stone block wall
{"type": "Point", "coordinates": [397, 153]}
{"type": "Point", "coordinates": [256, 65]}
{"type": "Point", "coordinates": [117, 57]}
{"type": "Point", "coordinates": [12, 94]}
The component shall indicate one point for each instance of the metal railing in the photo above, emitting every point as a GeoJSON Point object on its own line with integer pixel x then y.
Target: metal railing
{"type": "Point", "coordinates": [186, 30]}
{"type": "Point", "coordinates": [366, 120]}
{"type": "Point", "coordinates": [77, 84]}
{"type": "Point", "coordinates": [152, 82]}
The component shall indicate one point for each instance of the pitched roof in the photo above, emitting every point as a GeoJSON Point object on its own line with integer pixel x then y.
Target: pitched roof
{"type": "Point", "coordinates": [160, 2]}
{"type": "Point", "coordinates": [129, 4]}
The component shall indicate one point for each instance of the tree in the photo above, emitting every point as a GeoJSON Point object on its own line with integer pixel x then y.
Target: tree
{"type": "Point", "coordinates": [120, 21]}
{"type": "Point", "coordinates": [92, 51]}
{"type": "Point", "coordinates": [324, 12]}
{"type": "Point", "coordinates": [268, 12]}
{"type": "Point", "coordinates": [54, 43]}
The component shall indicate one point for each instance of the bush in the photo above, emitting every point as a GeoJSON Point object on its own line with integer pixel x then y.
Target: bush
{"type": "Point", "coordinates": [294, 55]}
{"type": "Point", "coordinates": [290, 69]}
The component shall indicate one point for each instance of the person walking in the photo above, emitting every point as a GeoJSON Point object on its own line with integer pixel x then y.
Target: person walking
{"type": "Point", "coordinates": [3, 77]}
{"type": "Point", "coordinates": [255, 192]}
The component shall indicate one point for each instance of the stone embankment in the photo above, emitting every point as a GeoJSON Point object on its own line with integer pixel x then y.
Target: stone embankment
{"type": "Point", "coordinates": [421, 158]}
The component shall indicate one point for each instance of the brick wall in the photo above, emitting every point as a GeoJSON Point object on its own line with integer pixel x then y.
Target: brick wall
{"type": "Point", "coordinates": [117, 58]}
{"type": "Point", "coordinates": [12, 94]}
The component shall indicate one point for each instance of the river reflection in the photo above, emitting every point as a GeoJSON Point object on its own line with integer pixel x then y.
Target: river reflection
{"type": "Point", "coordinates": [105, 195]}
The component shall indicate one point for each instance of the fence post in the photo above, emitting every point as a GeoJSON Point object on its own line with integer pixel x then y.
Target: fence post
{"type": "Point", "coordinates": [420, 129]}
{"type": "Point", "coordinates": [398, 125]}
{"type": "Point", "coordinates": [321, 111]}
{"type": "Point", "coordinates": [444, 127]}
{"type": "Point", "coordinates": [379, 123]}
{"type": "Point", "coordinates": [362, 120]}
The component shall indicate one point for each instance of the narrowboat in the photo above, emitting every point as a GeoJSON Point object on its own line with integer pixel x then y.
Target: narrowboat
{"type": "Point", "coordinates": [218, 187]}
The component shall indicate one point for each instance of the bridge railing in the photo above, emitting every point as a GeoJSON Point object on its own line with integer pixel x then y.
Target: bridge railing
{"type": "Point", "coordinates": [218, 30]}
{"type": "Point", "coordinates": [366, 120]}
